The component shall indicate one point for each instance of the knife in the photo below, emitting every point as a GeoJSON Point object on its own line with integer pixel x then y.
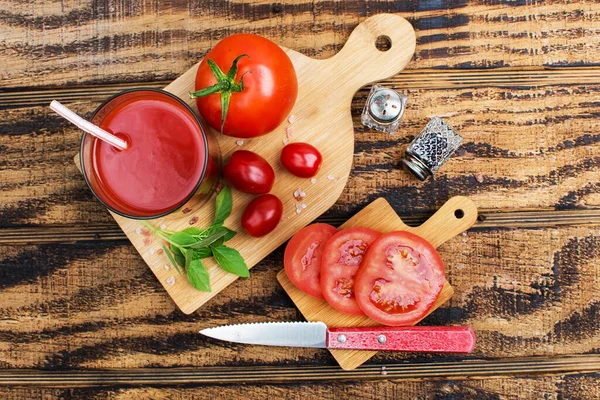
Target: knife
{"type": "Point", "coordinates": [436, 339]}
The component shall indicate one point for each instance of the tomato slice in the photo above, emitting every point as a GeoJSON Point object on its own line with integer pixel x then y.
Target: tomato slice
{"type": "Point", "coordinates": [400, 279]}
{"type": "Point", "coordinates": [342, 255]}
{"type": "Point", "coordinates": [302, 257]}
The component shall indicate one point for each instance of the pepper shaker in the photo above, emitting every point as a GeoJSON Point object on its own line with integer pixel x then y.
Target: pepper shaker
{"type": "Point", "coordinates": [384, 109]}
{"type": "Point", "coordinates": [431, 148]}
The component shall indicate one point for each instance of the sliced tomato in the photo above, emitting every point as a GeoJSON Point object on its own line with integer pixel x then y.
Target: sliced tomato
{"type": "Point", "coordinates": [342, 255]}
{"type": "Point", "coordinates": [302, 257]}
{"type": "Point", "coordinates": [400, 279]}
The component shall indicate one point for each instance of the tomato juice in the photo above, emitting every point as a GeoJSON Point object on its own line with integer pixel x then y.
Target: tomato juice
{"type": "Point", "coordinates": [167, 161]}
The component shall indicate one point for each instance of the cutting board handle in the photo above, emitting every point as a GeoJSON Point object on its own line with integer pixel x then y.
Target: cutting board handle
{"type": "Point", "coordinates": [360, 62]}
{"type": "Point", "coordinates": [457, 215]}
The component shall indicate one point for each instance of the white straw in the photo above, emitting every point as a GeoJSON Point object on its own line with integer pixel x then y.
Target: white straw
{"type": "Point", "coordinates": [87, 126]}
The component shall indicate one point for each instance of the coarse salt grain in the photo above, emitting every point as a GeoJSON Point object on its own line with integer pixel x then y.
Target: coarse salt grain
{"type": "Point", "coordinates": [479, 177]}
{"type": "Point", "coordinates": [163, 226]}
{"type": "Point", "coordinates": [459, 267]}
{"type": "Point", "coordinates": [147, 241]}
{"type": "Point", "coordinates": [194, 220]}
{"type": "Point", "coordinates": [298, 210]}
{"type": "Point", "coordinates": [464, 233]}
{"type": "Point", "coordinates": [167, 267]}
{"type": "Point", "coordinates": [303, 205]}
{"type": "Point", "coordinates": [464, 240]}
{"type": "Point", "coordinates": [289, 132]}
{"type": "Point", "coordinates": [291, 119]}
{"type": "Point", "coordinates": [151, 251]}
{"type": "Point", "coordinates": [331, 177]}
{"type": "Point", "coordinates": [171, 280]}
{"type": "Point", "coordinates": [240, 142]}
{"type": "Point", "coordinates": [160, 252]}
{"type": "Point", "coordinates": [313, 180]}
{"type": "Point", "coordinates": [299, 194]}
{"type": "Point", "coordinates": [138, 230]}
{"type": "Point", "coordinates": [285, 141]}
{"type": "Point", "coordinates": [186, 210]}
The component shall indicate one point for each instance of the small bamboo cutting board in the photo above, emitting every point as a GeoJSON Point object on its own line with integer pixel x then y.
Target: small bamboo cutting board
{"type": "Point", "coordinates": [322, 118]}
{"type": "Point", "coordinates": [456, 216]}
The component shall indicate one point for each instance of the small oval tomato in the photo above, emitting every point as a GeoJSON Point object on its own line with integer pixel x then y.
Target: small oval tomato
{"type": "Point", "coordinates": [248, 172]}
{"type": "Point", "coordinates": [302, 257]}
{"type": "Point", "coordinates": [342, 255]}
{"type": "Point", "coordinates": [255, 84]}
{"type": "Point", "coordinates": [400, 279]}
{"type": "Point", "coordinates": [301, 159]}
{"type": "Point", "coordinates": [262, 215]}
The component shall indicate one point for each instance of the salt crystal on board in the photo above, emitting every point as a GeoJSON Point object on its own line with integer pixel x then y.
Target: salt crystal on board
{"type": "Point", "coordinates": [331, 177]}
{"type": "Point", "coordinates": [303, 205]}
{"type": "Point", "coordinates": [167, 267]}
{"type": "Point", "coordinates": [285, 141]}
{"type": "Point", "coordinates": [138, 230]}
{"type": "Point", "coordinates": [288, 132]}
{"type": "Point", "coordinates": [299, 194]}
{"type": "Point", "coordinates": [240, 142]}
{"type": "Point", "coordinates": [151, 251]}
{"type": "Point", "coordinates": [291, 119]}
{"type": "Point", "coordinates": [194, 220]}
{"type": "Point", "coordinates": [171, 280]}
{"type": "Point", "coordinates": [313, 180]}
{"type": "Point", "coordinates": [163, 226]}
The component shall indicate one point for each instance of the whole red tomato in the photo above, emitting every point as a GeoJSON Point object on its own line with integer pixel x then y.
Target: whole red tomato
{"type": "Point", "coordinates": [247, 82]}
{"type": "Point", "coordinates": [262, 215]}
{"type": "Point", "coordinates": [248, 172]}
{"type": "Point", "coordinates": [301, 159]}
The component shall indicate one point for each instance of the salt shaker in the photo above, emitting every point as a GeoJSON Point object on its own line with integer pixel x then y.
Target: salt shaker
{"type": "Point", "coordinates": [384, 109]}
{"type": "Point", "coordinates": [431, 149]}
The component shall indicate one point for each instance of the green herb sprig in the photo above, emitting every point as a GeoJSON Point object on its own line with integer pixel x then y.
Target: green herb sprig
{"type": "Point", "coordinates": [187, 248]}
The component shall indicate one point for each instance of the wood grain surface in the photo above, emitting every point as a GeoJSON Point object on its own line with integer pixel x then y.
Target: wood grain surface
{"type": "Point", "coordinates": [519, 80]}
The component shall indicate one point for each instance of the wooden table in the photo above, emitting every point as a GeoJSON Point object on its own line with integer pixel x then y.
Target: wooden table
{"type": "Point", "coordinates": [83, 317]}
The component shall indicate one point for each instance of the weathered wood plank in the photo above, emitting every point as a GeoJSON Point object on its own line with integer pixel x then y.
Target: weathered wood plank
{"type": "Point", "coordinates": [96, 305]}
{"type": "Point", "coordinates": [459, 370]}
{"type": "Point", "coordinates": [532, 148]}
{"type": "Point", "coordinates": [565, 386]}
{"type": "Point", "coordinates": [76, 42]}
{"type": "Point", "coordinates": [21, 235]}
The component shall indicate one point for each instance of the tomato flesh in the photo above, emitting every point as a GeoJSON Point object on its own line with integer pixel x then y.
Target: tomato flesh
{"type": "Point", "coordinates": [400, 279]}
{"type": "Point", "coordinates": [302, 257]}
{"type": "Point", "coordinates": [343, 254]}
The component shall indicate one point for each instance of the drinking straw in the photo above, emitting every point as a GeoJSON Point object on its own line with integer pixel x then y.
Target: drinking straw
{"type": "Point", "coordinates": [87, 126]}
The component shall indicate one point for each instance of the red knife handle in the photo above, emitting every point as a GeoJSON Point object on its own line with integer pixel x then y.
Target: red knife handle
{"type": "Point", "coordinates": [434, 339]}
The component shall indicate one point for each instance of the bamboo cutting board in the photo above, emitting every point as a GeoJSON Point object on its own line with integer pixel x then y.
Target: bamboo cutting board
{"type": "Point", "coordinates": [456, 216]}
{"type": "Point", "coordinates": [322, 118]}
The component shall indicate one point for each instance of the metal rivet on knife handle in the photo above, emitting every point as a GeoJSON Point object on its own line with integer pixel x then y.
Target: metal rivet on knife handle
{"type": "Point", "coordinates": [381, 339]}
{"type": "Point", "coordinates": [342, 338]}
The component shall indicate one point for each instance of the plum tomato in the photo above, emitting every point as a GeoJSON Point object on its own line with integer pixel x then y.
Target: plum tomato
{"type": "Point", "coordinates": [248, 172]}
{"type": "Point", "coordinates": [301, 159]}
{"type": "Point", "coordinates": [245, 86]}
{"type": "Point", "coordinates": [302, 257]}
{"type": "Point", "coordinates": [400, 279]}
{"type": "Point", "coordinates": [342, 256]}
{"type": "Point", "coordinates": [262, 215]}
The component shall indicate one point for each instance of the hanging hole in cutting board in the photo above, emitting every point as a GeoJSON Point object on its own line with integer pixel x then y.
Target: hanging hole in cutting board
{"type": "Point", "coordinates": [459, 213]}
{"type": "Point", "coordinates": [383, 43]}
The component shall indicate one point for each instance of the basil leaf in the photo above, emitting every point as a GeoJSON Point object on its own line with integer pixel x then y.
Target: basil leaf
{"type": "Point", "coordinates": [230, 234]}
{"type": "Point", "coordinates": [194, 231]}
{"type": "Point", "coordinates": [171, 259]}
{"type": "Point", "coordinates": [224, 204]}
{"type": "Point", "coordinates": [179, 257]}
{"type": "Point", "coordinates": [230, 260]}
{"type": "Point", "coordinates": [198, 276]}
{"type": "Point", "coordinates": [188, 254]}
{"type": "Point", "coordinates": [199, 254]}
{"type": "Point", "coordinates": [182, 239]}
{"type": "Point", "coordinates": [210, 239]}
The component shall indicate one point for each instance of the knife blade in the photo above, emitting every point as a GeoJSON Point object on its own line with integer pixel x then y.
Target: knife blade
{"type": "Point", "coordinates": [435, 339]}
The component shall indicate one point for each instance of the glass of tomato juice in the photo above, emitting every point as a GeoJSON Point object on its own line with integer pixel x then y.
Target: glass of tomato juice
{"type": "Point", "coordinates": [172, 161]}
